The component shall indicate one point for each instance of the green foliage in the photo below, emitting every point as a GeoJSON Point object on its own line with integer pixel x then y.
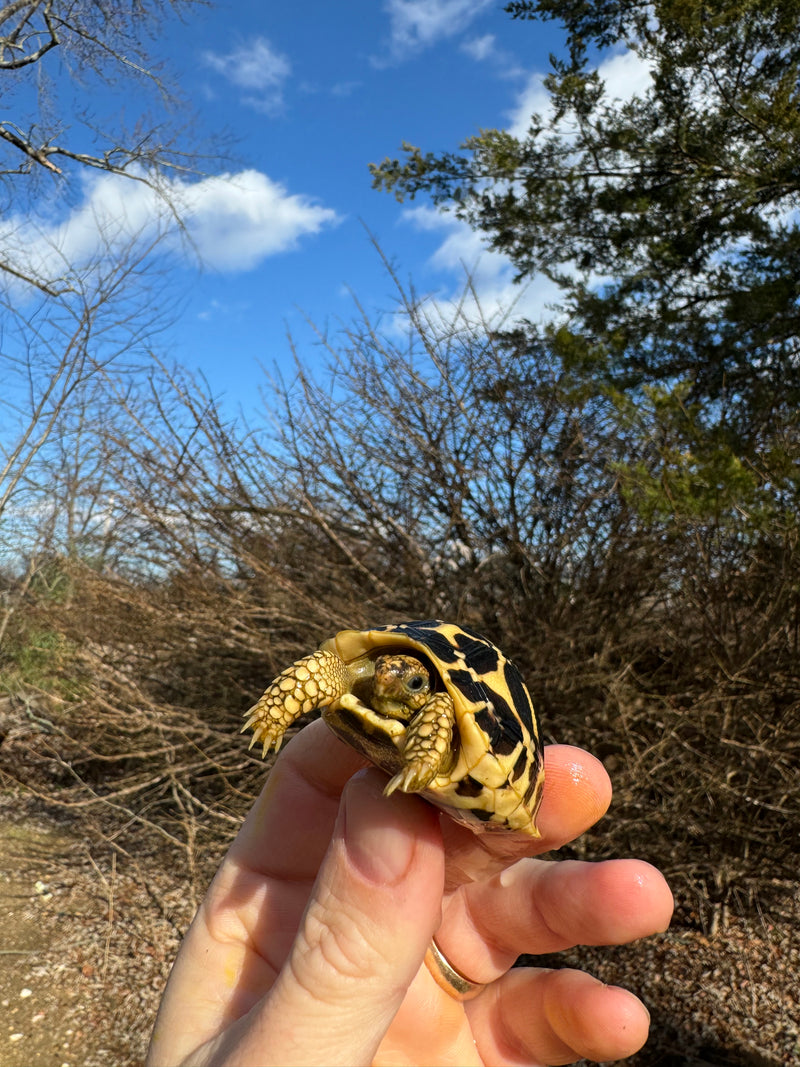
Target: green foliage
{"type": "Point", "coordinates": [52, 581]}
{"type": "Point", "coordinates": [36, 657]}
{"type": "Point", "coordinates": [675, 481]}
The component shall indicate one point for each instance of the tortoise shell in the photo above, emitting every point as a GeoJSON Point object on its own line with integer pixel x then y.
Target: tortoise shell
{"type": "Point", "coordinates": [496, 779]}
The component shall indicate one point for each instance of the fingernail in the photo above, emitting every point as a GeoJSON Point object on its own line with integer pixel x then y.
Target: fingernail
{"type": "Point", "coordinates": [377, 833]}
{"type": "Point", "coordinates": [639, 1004]}
{"type": "Point", "coordinates": [646, 1011]}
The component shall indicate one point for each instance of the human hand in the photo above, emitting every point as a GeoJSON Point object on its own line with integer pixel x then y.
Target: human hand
{"type": "Point", "coordinates": [309, 946]}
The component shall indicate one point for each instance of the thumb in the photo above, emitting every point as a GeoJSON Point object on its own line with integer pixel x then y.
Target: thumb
{"type": "Point", "coordinates": [371, 915]}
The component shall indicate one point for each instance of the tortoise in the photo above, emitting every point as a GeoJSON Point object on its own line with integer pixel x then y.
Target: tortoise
{"type": "Point", "coordinates": [434, 704]}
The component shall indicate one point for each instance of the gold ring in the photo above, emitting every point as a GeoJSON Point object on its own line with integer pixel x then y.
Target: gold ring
{"type": "Point", "coordinates": [452, 981]}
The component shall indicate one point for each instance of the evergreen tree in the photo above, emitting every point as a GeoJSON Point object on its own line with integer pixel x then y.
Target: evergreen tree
{"type": "Point", "coordinates": [670, 222]}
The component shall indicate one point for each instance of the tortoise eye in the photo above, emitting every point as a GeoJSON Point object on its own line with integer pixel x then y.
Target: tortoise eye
{"type": "Point", "coordinates": [416, 682]}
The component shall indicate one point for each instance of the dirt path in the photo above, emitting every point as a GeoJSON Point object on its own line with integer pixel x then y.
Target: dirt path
{"type": "Point", "coordinates": [84, 953]}
{"type": "Point", "coordinates": [46, 1000]}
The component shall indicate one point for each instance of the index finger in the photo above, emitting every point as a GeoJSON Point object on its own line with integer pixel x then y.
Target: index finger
{"type": "Point", "coordinates": [288, 829]}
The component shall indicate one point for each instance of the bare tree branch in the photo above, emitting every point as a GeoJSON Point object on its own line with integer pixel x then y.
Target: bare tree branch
{"type": "Point", "coordinates": [94, 41]}
{"type": "Point", "coordinates": [15, 41]}
{"type": "Point", "coordinates": [38, 155]}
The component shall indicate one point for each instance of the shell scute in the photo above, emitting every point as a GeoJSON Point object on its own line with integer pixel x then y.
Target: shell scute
{"type": "Point", "coordinates": [520, 697]}
{"type": "Point", "coordinates": [481, 656]}
{"type": "Point", "coordinates": [436, 643]}
{"type": "Point", "coordinates": [521, 766]}
{"type": "Point", "coordinates": [469, 787]}
{"type": "Point", "coordinates": [509, 732]}
{"type": "Point", "coordinates": [487, 721]}
{"type": "Point", "coordinates": [469, 686]}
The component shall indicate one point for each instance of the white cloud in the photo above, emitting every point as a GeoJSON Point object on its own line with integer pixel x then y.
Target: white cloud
{"type": "Point", "coordinates": [345, 88]}
{"type": "Point", "coordinates": [417, 24]}
{"type": "Point", "coordinates": [462, 254]}
{"type": "Point", "coordinates": [626, 75]}
{"type": "Point", "coordinates": [238, 220]}
{"type": "Point", "coordinates": [257, 67]}
{"type": "Point", "coordinates": [234, 222]}
{"type": "Point", "coordinates": [462, 251]}
{"type": "Point", "coordinates": [219, 309]}
{"type": "Point", "coordinates": [533, 100]}
{"type": "Point", "coordinates": [480, 48]}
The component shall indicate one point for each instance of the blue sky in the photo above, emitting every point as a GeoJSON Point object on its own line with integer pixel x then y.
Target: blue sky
{"type": "Point", "coordinates": [313, 93]}
{"type": "Point", "coordinates": [308, 95]}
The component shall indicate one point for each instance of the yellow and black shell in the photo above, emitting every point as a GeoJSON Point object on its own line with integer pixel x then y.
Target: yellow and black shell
{"type": "Point", "coordinates": [496, 773]}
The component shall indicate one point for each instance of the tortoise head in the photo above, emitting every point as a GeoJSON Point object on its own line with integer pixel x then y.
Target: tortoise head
{"type": "Point", "coordinates": [401, 685]}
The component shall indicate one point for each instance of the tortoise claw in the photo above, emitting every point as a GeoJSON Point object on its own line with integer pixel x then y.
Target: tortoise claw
{"type": "Point", "coordinates": [268, 739]}
{"type": "Point", "coordinates": [309, 683]}
{"type": "Point", "coordinates": [412, 779]}
{"type": "Point", "coordinates": [427, 746]}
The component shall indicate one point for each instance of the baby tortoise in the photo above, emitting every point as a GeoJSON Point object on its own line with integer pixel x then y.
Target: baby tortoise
{"type": "Point", "coordinates": [434, 704]}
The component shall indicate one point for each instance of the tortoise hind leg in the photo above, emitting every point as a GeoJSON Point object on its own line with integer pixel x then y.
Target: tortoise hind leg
{"type": "Point", "coordinates": [427, 748]}
{"type": "Point", "coordinates": [311, 682]}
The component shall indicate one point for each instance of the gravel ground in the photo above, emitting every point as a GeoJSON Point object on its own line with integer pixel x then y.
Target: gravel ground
{"type": "Point", "coordinates": [88, 940]}
{"type": "Point", "coordinates": [730, 1001]}
{"type": "Point", "coordinates": [86, 949]}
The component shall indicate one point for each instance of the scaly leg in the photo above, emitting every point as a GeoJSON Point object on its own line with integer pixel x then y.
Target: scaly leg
{"type": "Point", "coordinates": [426, 752]}
{"type": "Point", "coordinates": [312, 682]}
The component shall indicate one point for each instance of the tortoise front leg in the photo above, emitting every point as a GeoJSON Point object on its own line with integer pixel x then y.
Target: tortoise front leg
{"type": "Point", "coordinates": [312, 682]}
{"type": "Point", "coordinates": [427, 747]}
